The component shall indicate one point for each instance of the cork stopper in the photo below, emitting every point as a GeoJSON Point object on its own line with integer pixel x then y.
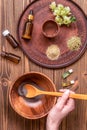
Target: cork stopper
{"type": "Point", "coordinates": [5, 32]}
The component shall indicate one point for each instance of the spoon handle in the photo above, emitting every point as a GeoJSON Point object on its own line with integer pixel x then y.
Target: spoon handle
{"type": "Point", "coordinates": [79, 96]}
{"type": "Point", "coordinates": [75, 96]}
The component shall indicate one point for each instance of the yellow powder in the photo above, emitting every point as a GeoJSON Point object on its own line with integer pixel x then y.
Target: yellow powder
{"type": "Point", "coordinates": [53, 52]}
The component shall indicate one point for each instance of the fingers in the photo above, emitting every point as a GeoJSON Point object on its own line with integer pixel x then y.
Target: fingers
{"type": "Point", "coordinates": [62, 101]}
{"type": "Point", "coordinates": [70, 102]}
{"type": "Point", "coordinates": [69, 106]}
{"type": "Point", "coordinates": [63, 90]}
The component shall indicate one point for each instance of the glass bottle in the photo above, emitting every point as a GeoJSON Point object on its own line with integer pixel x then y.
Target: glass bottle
{"type": "Point", "coordinates": [68, 83]}
{"type": "Point", "coordinates": [11, 57]}
{"type": "Point", "coordinates": [28, 26]}
{"type": "Point", "coordinates": [67, 73]}
{"type": "Point", "coordinates": [10, 38]}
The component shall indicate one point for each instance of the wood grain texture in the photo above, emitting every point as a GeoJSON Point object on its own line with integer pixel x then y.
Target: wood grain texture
{"type": "Point", "coordinates": [10, 12]}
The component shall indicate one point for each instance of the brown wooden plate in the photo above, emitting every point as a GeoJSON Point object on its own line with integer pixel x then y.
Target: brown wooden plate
{"type": "Point", "coordinates": [36, 48]}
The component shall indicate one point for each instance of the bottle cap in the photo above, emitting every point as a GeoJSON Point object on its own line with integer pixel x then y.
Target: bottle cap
{"type": "Point", "coordinates": [30, 16]}
{"type": "Point", "coordinates": [71, 70]}
{"type": "Point", "coordinates": [72, 81]}
{"type": "Point", "coordinates": [5, 33]}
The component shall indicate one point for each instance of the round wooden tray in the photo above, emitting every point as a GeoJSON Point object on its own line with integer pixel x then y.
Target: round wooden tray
{"type": "Point", "coordinates": [36, 48]}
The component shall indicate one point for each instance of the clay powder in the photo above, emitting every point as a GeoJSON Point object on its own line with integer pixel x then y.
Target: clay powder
{"type": "Point", "coordinates": [53, 52]}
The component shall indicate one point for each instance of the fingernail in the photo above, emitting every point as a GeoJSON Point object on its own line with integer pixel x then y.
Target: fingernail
{"type": "Point", "coordinates": [61, 89]}
{"type": "Point", "coordinates": [67, 91]}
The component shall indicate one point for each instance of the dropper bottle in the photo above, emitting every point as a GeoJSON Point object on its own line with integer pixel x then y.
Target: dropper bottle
{"type": "Point", "coordinates": [28, 26]}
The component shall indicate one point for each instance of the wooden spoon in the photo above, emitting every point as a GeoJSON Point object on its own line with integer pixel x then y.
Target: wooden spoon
{"type": "Point", "coordinates": [32, 91]}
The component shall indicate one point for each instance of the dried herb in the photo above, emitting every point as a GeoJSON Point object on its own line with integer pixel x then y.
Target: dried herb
{"type": "Point", "coordinates": [74, 43]}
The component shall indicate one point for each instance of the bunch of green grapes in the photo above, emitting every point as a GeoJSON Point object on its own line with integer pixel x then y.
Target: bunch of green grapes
{"type": "Point", "coordinates": [62, 14]}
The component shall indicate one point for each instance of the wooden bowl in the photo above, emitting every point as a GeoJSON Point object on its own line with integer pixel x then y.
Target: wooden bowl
{"type": "Point", "coordinates": [50, 29]}
{"type": "Point", "coordinates": [33, 108]}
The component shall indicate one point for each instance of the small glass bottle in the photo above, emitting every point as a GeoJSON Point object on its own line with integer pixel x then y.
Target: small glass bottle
{"type": "Point", "coordinates": [28, 26]}
{"type": "Point", "coordinates": [11, 57]}
{"type": "Point", "coordinates": [68, 83]}
{"type": "Point", "coordinates": [10, 38]}
{"type": "Point", "coordinates": [67, 73]}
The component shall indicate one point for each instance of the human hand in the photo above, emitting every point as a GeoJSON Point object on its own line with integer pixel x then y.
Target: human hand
{"type": "Point", "coordinates": [62, 108]}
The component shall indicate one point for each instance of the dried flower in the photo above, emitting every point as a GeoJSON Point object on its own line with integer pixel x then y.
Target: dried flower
{"type": "Point", "coordinates": [63, 14]}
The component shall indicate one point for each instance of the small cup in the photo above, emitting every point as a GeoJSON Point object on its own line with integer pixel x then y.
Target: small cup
{"type": "Point", "coordinates": [50, 29]}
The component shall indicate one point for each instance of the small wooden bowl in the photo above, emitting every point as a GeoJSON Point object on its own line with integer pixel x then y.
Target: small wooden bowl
{"type": "Point", "coordinates": [50, 29]}
{"type": "Point", "coordinates": [33, 108]}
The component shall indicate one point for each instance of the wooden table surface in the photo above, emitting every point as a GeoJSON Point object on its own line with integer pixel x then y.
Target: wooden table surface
{"type": "Point", "coordinates": [10, 12]}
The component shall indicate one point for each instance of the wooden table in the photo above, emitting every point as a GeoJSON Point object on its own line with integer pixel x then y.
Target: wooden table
{"type": "Point", "coordinates": [10, 12]}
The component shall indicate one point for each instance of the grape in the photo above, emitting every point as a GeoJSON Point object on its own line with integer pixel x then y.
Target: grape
{"type": "Point", "coordinates": [62, 14]}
